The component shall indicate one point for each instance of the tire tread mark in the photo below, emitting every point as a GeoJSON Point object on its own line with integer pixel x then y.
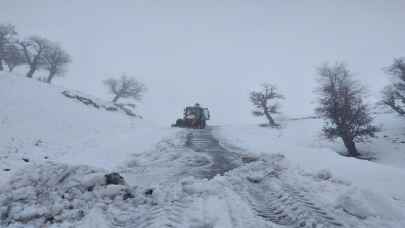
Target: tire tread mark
{"type": "Point", "coordinates": [288, 207]}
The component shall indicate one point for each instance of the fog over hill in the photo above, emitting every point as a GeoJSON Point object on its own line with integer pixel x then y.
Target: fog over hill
{"type": "Point", "coordinates": [183, 49]}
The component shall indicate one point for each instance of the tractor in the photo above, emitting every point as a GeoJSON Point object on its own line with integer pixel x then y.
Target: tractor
{"type": "Point", "coordinates": [194, 117]}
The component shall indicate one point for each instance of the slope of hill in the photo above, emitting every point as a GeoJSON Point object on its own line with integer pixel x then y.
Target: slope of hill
{"type": "Point", "coordinates": [38, 123]}
{"type": "Point", "coordinates": [374, 186]}
{"type": "Point", "coordinates": [387, 148]}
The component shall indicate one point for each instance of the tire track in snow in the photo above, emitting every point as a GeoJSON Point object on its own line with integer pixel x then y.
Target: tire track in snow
{"type": "Point", "coordinates": [170, 214]}
{"type": "Point", "coordinates": [221, 160]}
{"type": "Point", "coordinates": [272, 199]}
{"type": "Point", "coordinates": [276, 201]}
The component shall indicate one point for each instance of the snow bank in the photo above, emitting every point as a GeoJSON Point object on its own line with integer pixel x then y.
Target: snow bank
{"type": "Point", "coordinates": [364, 204]}
{"type": "Point", "coordinates": [54, 194]}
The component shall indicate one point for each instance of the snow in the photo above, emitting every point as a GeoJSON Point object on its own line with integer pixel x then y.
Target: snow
{"type": "Point", "coordinates": [60, 150]}
{"type": "Point", "coordinates": [95, 219]}
{"type": "Point", "coordinates": [379, 187]}
{"type": "Point", "coordinates": [56, 194]}
{"type": "Point", "coordinates": [39, 123]}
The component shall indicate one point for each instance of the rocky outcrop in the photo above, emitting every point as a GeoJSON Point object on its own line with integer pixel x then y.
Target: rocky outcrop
{"type": "Point", "coordinates": [128, 109]}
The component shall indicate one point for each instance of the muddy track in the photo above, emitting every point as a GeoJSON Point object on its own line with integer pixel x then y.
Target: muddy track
{"type": "Point", "coordinates": [221, 160]}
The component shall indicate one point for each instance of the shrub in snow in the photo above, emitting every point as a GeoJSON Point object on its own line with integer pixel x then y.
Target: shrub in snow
{"type": "Point", "coordinates": [114, 178]}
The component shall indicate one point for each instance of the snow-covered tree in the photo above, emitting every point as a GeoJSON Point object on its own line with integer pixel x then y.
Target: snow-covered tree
{"type": "Point", "coordinates": [13, 57]}
{"type": "Point", "coordinates": [341, 104]}
{"type": "Point", "coordinates": [55, 60]}
{"type": "Point", "coordinates": [394, 94]}
{"type": "Point", "coordinates": [265, 102]}
{"type": "Point", "coordinates": [7, 34]}
{"type": "Point", "coordinates": [33, 49]}
{"type": "Point", "coordinates": [125, 87]}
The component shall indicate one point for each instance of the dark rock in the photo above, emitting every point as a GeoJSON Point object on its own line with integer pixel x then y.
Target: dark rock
{"type": "Point", "coordinates": [128, 195]}
{"type": "Point", "coordinates": [26, 159]}
{"type": "Point", "coordinates": [149, 191]}
{"type": "Point", "coordinates": [128, 109]}
{"type": "Point", "coordinates": [50, 220]}
{"type": "Point", "coordinates": [248, 159]}
{"type": "Point", "coordinates": [46, 157]}
{"type": "Point", "coordinates": [81, 213]}
{"type": "Point", "coordinates": [114, 178]}
{"type": "Point", "coordinates": [84, 100]}
{"type": "Point", "coordinates": [68, 94]}
{"type": "Point", "coordinates": [87, 101]}
{"type": "Point", "coordinates": [111, 108]}
{"type": "Point", "coordinates": [6, 170]}
{"type": "Point", "coordinates": [38, 142]}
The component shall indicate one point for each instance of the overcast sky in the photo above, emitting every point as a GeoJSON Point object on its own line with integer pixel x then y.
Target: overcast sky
{"type": "Point", "coordinates": [215, 51]}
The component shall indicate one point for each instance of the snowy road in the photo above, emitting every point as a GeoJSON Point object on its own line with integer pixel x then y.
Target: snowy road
{"type": "Point", "coordinates": [189, 180]}
{"type": "Point", "coordinates": [197, 169]}
{"type": "Point", "coordinates": [220, 160]}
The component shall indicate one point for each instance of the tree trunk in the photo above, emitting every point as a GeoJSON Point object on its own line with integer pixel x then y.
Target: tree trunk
{"type": "Point", "coordinates": [10, 68]}
{"type": "Point", "coordinates": [1, 65]}
{"type": "Point", "coordinates": [269, 118]}
{"type": "Point", "coordinates": [50, 77]}
{"type": "Point", "coordinates": [351, 147]}
{"type": "Point", "coordinates": [116, 98]}
{"type": "Point", "coordinates": [31, 72]}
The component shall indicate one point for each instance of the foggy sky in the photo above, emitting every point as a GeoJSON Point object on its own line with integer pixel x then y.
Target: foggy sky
{"type": "Point", "coordinates": [215, 52]}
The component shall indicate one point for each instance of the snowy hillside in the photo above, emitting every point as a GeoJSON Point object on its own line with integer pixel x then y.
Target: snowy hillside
{"type": "Point", "coordinates": [387, 148]}
{"type": "Point", "coordinates": [67, 164]}
{"type": "Point", "coordinates": [300, 141]}
{"type": "Point", "coordinates": [39, 123]}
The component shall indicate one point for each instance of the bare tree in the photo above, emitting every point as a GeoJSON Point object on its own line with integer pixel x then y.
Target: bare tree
{"type": "Point", "coordinates": [341, 105]}
{"type": "Point", "coordinates": [394, 94]}
{"type": "Point", "coordinates": [55, 60]}
{"type": "Point", "coordinates": [265, 102]}
{"type": "Point", "coordinates": [125, 87]}
{"type": "Point", "coordinates": [7, 33]}
{"type": "Point", "coordinates": [14, 57]}
{"type": "Point", "coordinates": [33, 49]}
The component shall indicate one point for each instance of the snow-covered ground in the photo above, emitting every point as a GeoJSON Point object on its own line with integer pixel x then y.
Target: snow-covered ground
{"type": "Point", "coordinates": [57, 156]}
{"type": "Point", "coordinates": [40, 124]}
{"type": "Point", "coordinates": [375, 185]}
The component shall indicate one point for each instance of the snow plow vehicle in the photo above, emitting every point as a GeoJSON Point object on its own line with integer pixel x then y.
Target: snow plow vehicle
{"type": "Point", "coordinates": [194, 117]}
